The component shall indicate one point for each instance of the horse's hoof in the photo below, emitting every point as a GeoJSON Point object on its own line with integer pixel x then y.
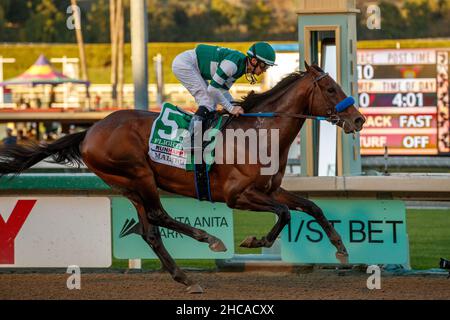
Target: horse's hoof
{"type": "Point", "coordinates": [218, 246]}
{"type": "Point", "coordinates": [342, 257]}
{"type": "Point", "coordinates": [195, 288]}
{"type": "Point", "coordinates": [248, 242]}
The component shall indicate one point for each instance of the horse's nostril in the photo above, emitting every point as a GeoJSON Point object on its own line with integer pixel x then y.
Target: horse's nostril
{"type": "Point", "coordinates": [359, 122]}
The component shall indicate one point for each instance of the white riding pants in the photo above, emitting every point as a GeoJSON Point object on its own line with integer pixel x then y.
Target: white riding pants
{"type": "Point", "coordinates": [185, 68]}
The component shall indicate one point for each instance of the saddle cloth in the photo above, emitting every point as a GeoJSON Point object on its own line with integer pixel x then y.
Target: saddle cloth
{"type": "Point", "coordinates": [166, 138]}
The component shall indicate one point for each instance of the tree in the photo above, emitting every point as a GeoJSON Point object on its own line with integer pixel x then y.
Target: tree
{"type": "Point", "coordinates": [97, 26]}
{"type": "Point", "coordinates": [441, 19]}
{"type": "Point", "coordinates": [46, 23]}
{"type": "Point", "coordinates": [419, 16]}
{"type": "Point", "coordinates": [212, 20]}
{"type": "Point", "coordinates": [228, 20]}
{"type": "Point", "coordinates": [393, 25]}
{"type": "Point", "coordinates": [285, 20]}
{"type": "Point", "coordinates": [2, 24]}
{"type": "Point", "coordinates": [18, 11]}
{"type": "Point", "coordinates": [259, 20]}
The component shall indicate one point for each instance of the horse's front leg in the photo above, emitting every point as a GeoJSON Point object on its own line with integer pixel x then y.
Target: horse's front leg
{"type": "Point", "coordinates": [295, 202]}
{"type": "Point", "coordinates": [255, 200]}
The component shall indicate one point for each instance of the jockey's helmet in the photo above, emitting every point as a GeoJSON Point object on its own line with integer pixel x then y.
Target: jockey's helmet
{"type": "Point", "coordinates": [263, 52]}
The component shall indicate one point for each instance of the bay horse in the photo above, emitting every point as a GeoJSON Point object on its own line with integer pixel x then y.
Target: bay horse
{"type": "Point", "coordinates": [116, 149]}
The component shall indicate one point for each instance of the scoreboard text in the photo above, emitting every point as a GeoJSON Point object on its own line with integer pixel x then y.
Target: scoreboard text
{"type": "Point", "coordinates": [404, 94]}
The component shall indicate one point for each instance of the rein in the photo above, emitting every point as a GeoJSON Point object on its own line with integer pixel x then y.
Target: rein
{"type": "Point", "coordinates": [280, 114]}
{"type": "Point", "coordinates": [341, 106]}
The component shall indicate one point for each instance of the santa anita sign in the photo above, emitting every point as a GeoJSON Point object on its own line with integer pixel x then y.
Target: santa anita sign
{"type": "Point", "coordinates": [214, 218]}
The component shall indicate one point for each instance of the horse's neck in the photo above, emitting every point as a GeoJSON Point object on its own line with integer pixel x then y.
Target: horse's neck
{"type": "Point", "coordinates": [295, 101]}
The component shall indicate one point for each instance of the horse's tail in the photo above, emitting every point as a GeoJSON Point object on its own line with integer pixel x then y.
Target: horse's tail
{"type": "Point", "coordinates": [17, 158]}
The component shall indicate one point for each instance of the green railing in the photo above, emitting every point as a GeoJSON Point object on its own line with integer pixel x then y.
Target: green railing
{"type": "Point", "coordinates": [37, 182]}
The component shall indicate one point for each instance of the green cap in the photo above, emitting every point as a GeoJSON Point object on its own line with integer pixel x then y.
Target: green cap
{"type": "Point", "coordinates": [262, 51]}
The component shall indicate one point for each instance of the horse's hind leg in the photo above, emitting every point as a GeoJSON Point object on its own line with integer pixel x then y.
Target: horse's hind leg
{"type": "Point", "coordinates": [152, 236]}
{"type": "Point", "coordinates": [150, 233]}
{"type": "Point", "coordinates": [146, 187]}
{"type": "Point", "coordinates": [140, 185]}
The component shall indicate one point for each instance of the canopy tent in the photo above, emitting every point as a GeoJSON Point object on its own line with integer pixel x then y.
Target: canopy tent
{"type": "Point", "coordinates": [42, 72]}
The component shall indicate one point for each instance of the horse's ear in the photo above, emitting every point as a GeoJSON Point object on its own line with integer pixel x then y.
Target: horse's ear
{"type": "Point", "coordinates": [307, 67]}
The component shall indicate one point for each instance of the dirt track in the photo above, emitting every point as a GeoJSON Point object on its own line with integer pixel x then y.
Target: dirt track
{"type": "Point", "coordinates": [224, 285]}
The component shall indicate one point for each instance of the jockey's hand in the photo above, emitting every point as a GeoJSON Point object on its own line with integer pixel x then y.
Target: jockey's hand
{"type": "Point", "coordinates": [237, 111]}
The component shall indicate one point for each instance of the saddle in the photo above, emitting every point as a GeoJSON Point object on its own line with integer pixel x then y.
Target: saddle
{"type": "Point", "coordinates": [166, 145]}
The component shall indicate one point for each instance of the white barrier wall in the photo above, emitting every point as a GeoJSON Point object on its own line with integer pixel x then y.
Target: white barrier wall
{"type": "Point", "coordinates": [55, 231]}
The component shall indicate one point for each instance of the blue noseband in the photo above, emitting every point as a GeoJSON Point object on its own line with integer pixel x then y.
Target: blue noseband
{"type": "Point", "coordinates": [344, 104]}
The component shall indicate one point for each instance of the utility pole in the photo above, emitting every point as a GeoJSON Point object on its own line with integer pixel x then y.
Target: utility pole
{"type": "Point", "coordinates": [158, 63]}
{"type": "Point", "coordinates": [139, 39]}
{"type": "Point", "coordinates": [113, 34]}
{"type": "Point", "coordinates": [80, 41]}
{"type": "Point", "coordinates": [120, 47]}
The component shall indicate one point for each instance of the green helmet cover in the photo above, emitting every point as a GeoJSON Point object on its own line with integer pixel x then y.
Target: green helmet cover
{"type": "Point", "coordinates": [262, 51]}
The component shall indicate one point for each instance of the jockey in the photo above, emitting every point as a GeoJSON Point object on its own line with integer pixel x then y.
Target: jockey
{"type": "Point", "coordinates": [221, 67]}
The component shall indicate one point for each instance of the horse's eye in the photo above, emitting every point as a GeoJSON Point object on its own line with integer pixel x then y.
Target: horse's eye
{"type": "Point", "coordinates": [331, 90]}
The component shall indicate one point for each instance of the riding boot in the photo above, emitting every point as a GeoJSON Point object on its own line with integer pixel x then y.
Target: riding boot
{"type": "Point", "coordinates": [196, 128]}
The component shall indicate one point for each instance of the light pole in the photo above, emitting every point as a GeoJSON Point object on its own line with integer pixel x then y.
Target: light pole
{"type": "Point", "coordinates": [139, 39]}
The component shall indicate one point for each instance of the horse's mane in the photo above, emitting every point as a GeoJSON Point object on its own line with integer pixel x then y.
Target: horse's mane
{"type": "Point", "coordinates": [253, 99]}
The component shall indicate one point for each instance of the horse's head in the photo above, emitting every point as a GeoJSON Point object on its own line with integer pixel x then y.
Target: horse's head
{"type": "Point", "coordinates": [324, 100]}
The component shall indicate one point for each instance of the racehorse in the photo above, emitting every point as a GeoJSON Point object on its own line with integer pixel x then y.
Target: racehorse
{"type": "Point", "coordinates": [116, 149]}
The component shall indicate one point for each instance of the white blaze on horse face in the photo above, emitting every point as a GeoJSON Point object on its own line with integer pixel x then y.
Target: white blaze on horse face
{"type": "Point", "coordinates": [263, 149]}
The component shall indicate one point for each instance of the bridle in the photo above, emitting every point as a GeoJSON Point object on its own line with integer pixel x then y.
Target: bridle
{"type": "Point", "coordinates": [332, 113]}
{"type": "Point", "coordinates": [250, 76]}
